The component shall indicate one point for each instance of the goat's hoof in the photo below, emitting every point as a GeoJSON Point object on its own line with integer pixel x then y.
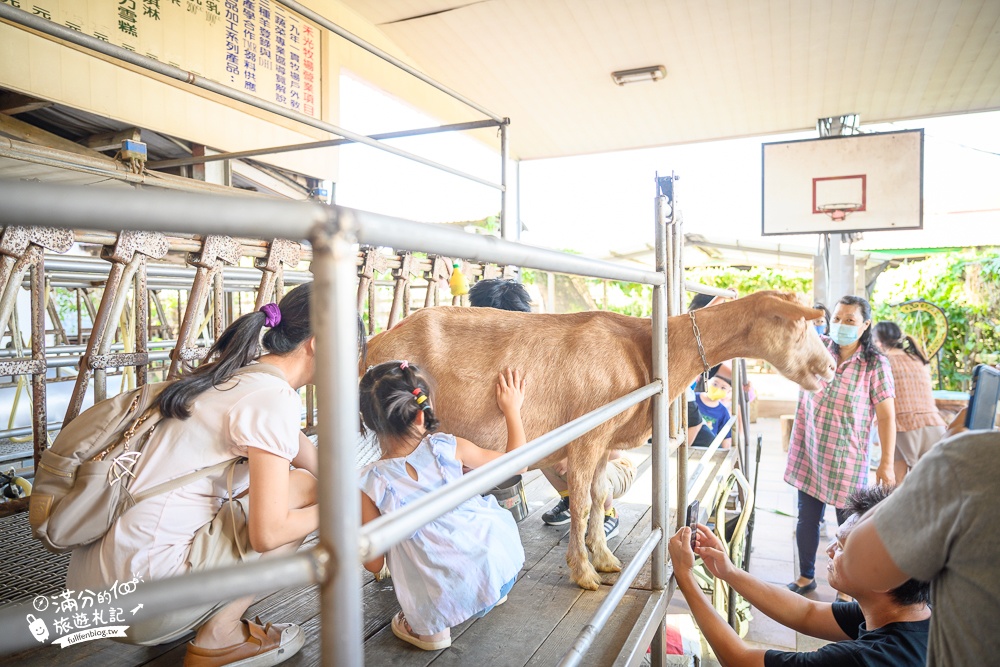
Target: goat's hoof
{"type": "Point", "coordinates": [589, 579]}
{"type": "Point", "coordinates": [607, 562]}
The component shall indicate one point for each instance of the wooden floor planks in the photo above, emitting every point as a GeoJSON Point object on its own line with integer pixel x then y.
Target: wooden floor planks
{"type": "Point", "coordinates": [539, 622]}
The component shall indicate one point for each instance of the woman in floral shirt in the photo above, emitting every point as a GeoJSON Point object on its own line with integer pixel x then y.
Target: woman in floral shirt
{"type": "Point", "coordinates": [828, 451]}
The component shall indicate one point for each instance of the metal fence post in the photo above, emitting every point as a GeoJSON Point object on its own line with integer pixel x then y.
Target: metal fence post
{"type": "Point", "coordinates": [334, 321]}
{"type": "Point", "coordinates": [660, 462]}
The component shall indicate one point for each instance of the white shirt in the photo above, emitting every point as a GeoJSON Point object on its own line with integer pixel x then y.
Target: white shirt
{"type": "Point", "coordinates": [153, 539]}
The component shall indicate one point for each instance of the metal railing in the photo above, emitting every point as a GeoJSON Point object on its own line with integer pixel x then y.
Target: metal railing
{"type": "Point", "coordinates": [48, 27]}
{"type": "Point", "coordinates": [333, 232]}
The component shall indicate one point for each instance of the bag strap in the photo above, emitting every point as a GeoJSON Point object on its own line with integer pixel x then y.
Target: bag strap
{"type": "Point", "coordinates": [183, 480]}
{"type": "Point", "coordinates": [232, 513]}
{"type": "Point", "coordinates": [178, 482]}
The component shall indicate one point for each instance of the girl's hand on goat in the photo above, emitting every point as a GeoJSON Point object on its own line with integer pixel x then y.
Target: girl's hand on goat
{"type": "Point", "coordinates": [510, 391]}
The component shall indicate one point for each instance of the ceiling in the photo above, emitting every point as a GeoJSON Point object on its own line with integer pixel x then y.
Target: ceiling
{"type": "Point", "coordinates": [734, 67]}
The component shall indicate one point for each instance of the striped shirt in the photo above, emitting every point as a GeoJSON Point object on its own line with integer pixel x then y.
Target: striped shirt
{"type": "Point", "coordinates": [828, 450]}
{"type": "Point", "coordinates": [915, 407]}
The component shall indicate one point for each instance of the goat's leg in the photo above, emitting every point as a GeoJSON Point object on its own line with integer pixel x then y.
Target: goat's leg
{"type": "Point", "coordinates": [597, 542]}
{"type": "Point", "coordinates": [579, 478]}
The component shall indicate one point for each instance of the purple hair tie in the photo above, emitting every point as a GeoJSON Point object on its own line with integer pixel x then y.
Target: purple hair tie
{"type": "Point", "coordinates": [272, 314]}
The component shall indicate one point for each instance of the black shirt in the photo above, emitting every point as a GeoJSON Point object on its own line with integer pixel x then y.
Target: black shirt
{"type": "Point", "coordinates": [892, 645]}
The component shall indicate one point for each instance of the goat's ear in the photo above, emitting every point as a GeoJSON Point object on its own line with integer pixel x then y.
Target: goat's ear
{"type": "Point", "coordinates": [793, 310]}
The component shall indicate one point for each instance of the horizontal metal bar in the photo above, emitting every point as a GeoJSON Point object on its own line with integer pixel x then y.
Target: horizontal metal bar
{"type": "Point", "coordinates": [328, 143]}
{"type": "Point", "coordinates": [712, 448]}
{"type": "Point", "coordinates": [96, 278]}
{"type": "Point", "coordinates": [110, 169]}
{"type": "Point", "coordinates": [698, 288]}
{"type": "Point", "coordinates": [190, 590]}
{"type": "Point", "coordinates": [47, 27]}
{"type": "Point", "coordinates": [779, 250]}
{"type": "Point", "coordinates": [74, 360]}
{"type": "Point", "coordinates": [70, 263]}
{"type": "Point", "coordinates": [590, 631]}
{"type": "Point", "coordinates": [249, 247]}
{"type": "Point", "coordinates": [27, 430]}
{"type": "Point", "coordinates": [119, 359]}
{"type": "Point", "coordinates": [80, 349]}
{"type": "Point", "coordinates": [375, 51]}
{"type": "Point", "coordinates": [380, 535]}
{"type": "Point", "coordinates": [381, 230]}
{"type": "Point", "coordinates": [47, 205]}
{"type": "Point", "coordinates": [22, 367]}
{"type": "Point", "coordinates": [637, 643]}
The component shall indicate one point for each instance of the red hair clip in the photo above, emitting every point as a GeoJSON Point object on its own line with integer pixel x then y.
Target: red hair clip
{"type": "Point", "coordinates": [416, 392]}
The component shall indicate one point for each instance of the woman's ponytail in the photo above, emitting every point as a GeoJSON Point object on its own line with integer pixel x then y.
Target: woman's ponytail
{"type": "Point", "coordinates": [240, 345]}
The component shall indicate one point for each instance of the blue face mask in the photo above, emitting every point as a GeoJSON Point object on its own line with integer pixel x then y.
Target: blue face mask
{"type": "Point", "coordinates": [844, 334]}
{"type": "Point", "coordinates": [820, 329]}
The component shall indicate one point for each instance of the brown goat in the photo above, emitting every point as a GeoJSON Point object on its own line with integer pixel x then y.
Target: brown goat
{"type": "Point", "coordinates": [578, 362]}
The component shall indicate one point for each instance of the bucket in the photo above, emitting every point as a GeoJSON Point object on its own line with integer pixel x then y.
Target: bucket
{"type": "Point", "coordinates": [510, 495]}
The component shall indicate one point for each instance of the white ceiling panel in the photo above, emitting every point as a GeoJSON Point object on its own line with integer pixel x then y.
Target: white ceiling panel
{"type": "Point", "coordinates": [734, 67]}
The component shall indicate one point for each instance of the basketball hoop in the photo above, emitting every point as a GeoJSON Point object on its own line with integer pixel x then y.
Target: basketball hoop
{"type": "Point", "coordinates": [838, 212]}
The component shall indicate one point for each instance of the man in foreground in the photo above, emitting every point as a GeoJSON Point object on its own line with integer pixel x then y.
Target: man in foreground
{"type": "Point", "coordinates": [941, 526]}
{"type": "Point", "coordinates": [881, 627]}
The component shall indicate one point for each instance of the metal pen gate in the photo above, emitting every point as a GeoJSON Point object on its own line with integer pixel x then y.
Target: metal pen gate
{"type": "Point", "coordinates": [343, 543]}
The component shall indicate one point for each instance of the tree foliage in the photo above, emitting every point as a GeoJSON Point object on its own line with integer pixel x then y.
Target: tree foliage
{"type": "Point", "coordinates": [966, 285]}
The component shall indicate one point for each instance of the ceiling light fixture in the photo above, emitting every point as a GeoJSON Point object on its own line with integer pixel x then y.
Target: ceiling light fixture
{"type": "Point", "coordinates": [654, 73]}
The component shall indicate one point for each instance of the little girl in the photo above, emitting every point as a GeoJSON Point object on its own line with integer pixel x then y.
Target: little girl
{"type": "Point", "coordinates": [463, 563]}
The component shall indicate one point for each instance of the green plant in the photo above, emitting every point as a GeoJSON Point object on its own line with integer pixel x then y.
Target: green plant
{"type": "Point", "coordinates": [753, 279]}
{"type": "Point", "coordinates": [966, 285]}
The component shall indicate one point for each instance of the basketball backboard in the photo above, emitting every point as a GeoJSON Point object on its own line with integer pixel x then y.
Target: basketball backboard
{"type": "Point", "coordinates": [857, 183]}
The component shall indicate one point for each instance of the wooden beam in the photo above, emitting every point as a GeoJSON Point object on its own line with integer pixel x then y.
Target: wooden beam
{"type": "Point", "coordinates": [12, 103]}
{"type": "Point", "coordinates": [107, 141]}
{"type": "Point", "coordinates": [18, 129]}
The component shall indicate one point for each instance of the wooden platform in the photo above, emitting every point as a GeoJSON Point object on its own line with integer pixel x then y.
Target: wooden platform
{"type": "Point", "coordinates": [542, 617]}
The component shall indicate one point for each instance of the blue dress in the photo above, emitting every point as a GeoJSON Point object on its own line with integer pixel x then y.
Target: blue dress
{"type": "Point", "coordinates": [457, 565]}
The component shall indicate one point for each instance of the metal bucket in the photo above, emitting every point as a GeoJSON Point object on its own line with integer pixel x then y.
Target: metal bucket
{"type": "Point", "coordinates": [510, 495]}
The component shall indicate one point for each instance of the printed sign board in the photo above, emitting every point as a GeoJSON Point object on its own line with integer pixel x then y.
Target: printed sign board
{"type": "Point", "coordinates": [257, 46]}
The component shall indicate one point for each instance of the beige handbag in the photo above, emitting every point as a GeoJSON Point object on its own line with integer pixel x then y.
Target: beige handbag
{"type": "Point", "coordinates": [225, 540]}
{"type": "Point", "coordinates": [82, 482]}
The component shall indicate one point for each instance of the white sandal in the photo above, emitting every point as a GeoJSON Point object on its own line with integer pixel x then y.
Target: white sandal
{"type": "Point", "coordinates": [402, 629]}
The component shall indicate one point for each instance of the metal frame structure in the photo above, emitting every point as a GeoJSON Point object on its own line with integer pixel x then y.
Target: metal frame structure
{"type": "Point", "coordinates": [44, 26]}
{"type": "Point", "coordinates": [333, 231]}
{"type": "Point", "coordinates": [144, 219]}
{"type": "Point", "coordinates": [274, 266]}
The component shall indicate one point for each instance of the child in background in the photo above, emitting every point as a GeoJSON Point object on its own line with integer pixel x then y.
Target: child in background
{"type": "Point", "coordinates": [712, 403]}
{"type": "Point", "coordinates": [463, 563]}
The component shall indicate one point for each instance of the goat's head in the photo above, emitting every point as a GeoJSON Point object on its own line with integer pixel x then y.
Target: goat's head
{"type": "Point", "coordinates": [788, 341]}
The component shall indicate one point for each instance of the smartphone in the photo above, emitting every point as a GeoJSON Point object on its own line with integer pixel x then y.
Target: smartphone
{"type": "Point", "coordinates": [982, 412]}
{"type": "Point", "coordinates": [692, 521]}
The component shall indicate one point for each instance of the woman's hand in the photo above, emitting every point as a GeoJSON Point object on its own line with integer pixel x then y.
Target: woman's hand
{"type": "Point", "coordinates": [885, 475]}
{"type": "Point", "coordinates": [957, 424]}
{"type": "Point", "coordinates": [510, 391]}
{"type": "Point", "coordinates": [561, 467]}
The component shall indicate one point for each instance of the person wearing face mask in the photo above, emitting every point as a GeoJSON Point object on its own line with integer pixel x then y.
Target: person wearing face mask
{"type": "Point", "coordinates": [822, 325]}
{"type": "Point", "coordinates": [712, 403]}
{"type": "Point", "coordinates": [828, 455]}
{"type": "Point", "coordinates": [919, 425]}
